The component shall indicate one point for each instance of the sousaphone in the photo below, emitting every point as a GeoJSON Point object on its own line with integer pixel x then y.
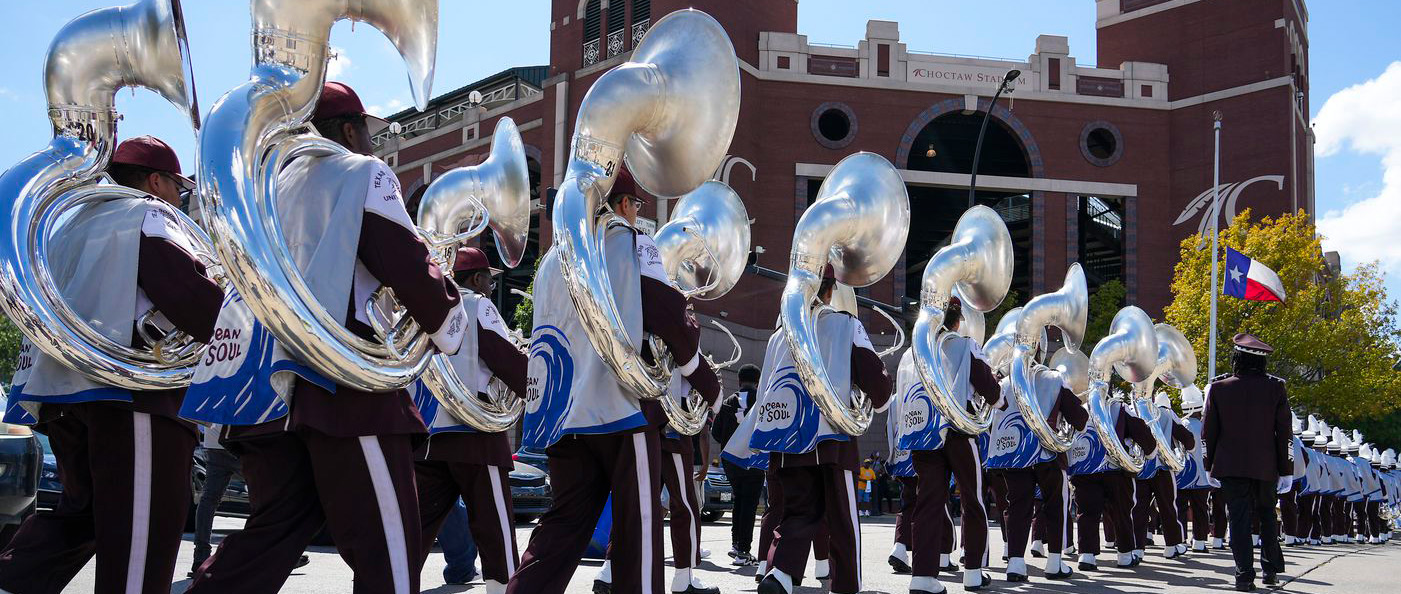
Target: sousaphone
{"type": "Point", "coordinates": [1177, 367]}
{"type": "Point", "coordinates": [1068, 310]}
{"type": "Point", "coordinates": [90, 58]}
{"type": "Point", "coordinates": [1131, 349]}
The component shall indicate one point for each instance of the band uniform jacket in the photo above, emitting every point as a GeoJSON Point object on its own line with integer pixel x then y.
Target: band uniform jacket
{"type": "Point", "coordinates": [1246, 427]}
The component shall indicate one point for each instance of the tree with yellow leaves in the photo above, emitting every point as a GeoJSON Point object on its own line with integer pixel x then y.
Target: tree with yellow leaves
{"type": "Point", "coordinates": [1335, 338]}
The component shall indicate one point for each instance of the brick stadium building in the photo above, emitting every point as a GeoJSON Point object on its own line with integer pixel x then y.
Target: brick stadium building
{"type": "Point", "coordinates": [1104, 165]}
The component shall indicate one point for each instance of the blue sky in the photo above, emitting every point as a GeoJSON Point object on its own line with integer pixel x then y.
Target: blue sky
{"type": "Point", "coordinates": [1352, 44]}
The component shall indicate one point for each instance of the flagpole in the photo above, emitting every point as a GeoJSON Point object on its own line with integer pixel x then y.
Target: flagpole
{"type": "Point", "coordinates": [1215, 231]}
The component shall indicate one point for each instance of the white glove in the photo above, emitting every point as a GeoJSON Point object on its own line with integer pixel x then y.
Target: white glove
{"type": "Point", "coordinates": [1285, 483]}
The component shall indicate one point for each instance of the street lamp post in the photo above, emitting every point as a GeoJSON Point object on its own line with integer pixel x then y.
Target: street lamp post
{"type": "Point", "coordinates": [1006, 85]}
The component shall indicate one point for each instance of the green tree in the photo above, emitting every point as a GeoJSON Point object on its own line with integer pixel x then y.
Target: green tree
{"type": "Point", "coordinates": [1335, 337]}
{"type": "Point", "coordinates": [10, 337]}
{"type": "Point", "coordinates": [1105, 302]}
{"type": "Point", "coordinates": [524, 316]}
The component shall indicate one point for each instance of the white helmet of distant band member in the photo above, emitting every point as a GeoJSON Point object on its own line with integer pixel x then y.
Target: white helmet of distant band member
{"type": "Point", "coordinates": [1296, 423]}
{"type": "Point", "coordinates": [1310, 429]}
{"type": "Point", "coordinates": [1162, 400]}
{"type": "Point", "coordinates": [1324, 432]}
{"type": "Point", "coordinates": [1389, 457]}
{"type": "Point", "coordinates": [1192, 399]}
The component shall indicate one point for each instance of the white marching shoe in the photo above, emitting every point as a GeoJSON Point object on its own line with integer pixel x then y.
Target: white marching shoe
{"type": "Point", "coordinates": [1218, 544]}
{"type": "Point", "coordinates": [1198, 546]}
{"type": "Point", "coordinates": [1038, 548]}
{"type": "Point", "coordinates": [975, 579]}
{"type": "Point", "coordinates": [1174, 551]}
{"type": "Point", "coordinates": [926, 585]}
{"type": "Point", "coordinates": [1127, 560]}
{"type": "Point", "coordinates": [1056, 569]}
{"type": "Point", "coordinates": [1016, 569]}
{"type": "Point", "coordinates": [823, 570]}
{"type": "Point", "coordinates": [1088, 562]}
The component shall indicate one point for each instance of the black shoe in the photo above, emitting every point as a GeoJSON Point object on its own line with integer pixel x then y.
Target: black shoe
{"type": "Point", "coordinates": [692, 589]}
{"type": "Point", "coordinates": [915, 591]}
{"type": "Point", "coordinates": [897, 565]}
{"type": "Point", "coordinates": [1270, 580]}
{"type": "Point", "coordinates": [986, 581]}
{"type": "Point", "coordinates": [1016, 577]}
{"type": "Point", "coordinates": [602, 587]}
{"type": "Point", "coordinates": [770, 585]}
{"type": "Point", "coordinates": [1038, 554]}
{"type": "Point", "coordinates": [951, 568]}
{"type": "Point", "coordinates": [1245, 586]}
{"type": "Point", "coordinates": [1063, 575]}
{"type": "Point", "coordinates": [302, 562]}
{"type": "Point", "coordinates": [1088, 566]}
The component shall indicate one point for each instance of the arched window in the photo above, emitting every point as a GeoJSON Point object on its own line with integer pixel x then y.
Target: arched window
{"type": "Point", "coordinates": [593, 28]}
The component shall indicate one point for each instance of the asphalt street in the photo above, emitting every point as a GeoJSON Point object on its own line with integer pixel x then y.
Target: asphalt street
{"type": "Point", "coordinates": [1367, 569]}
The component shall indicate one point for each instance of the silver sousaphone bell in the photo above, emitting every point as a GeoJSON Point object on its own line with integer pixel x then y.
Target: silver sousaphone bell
{"type": "Point", "coordinates": [1131, 349]}
{"type": "Point", "coordinates": [90, 58]}
{"type": "Point", "coordinates": [1067, 309]}
{"type": "Point", "coordinates": [1177, 367]}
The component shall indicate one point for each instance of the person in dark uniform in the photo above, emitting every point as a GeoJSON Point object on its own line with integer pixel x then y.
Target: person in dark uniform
{"type": "Point", "coordinates": [601, 439]}
{"type": "Point", "coordinates": [459, 461]}
{"type": "Point", "coordinates": [124, 455]}
{"type": "Point", "coordinates": [1247, 436]}
{"type": "Point", "coordinates": [678, 451]}
{"type": "Point", "coordinates": [341, 457]}
{"type": "Point", "coordinates": [747, 484]}
{"type": "Point", "coordinates": [949, 453]}
{"type": "Point", "coordinates": [818, 485]}
{"type": "Point", "coordinates": [1103, 491]}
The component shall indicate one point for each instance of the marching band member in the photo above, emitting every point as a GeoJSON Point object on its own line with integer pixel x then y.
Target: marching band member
{"type": "Point", "coordinates": [678, 451]}
{"type": "Point", "coordinates": [1105, 491]}
{"type": "Point", "coordinates": [1193, 483]}
{"type": "Point", "coordinates": [457, 460]}
{"type": "Point", "coordinates": [124, 455]}
{"type": "Point", "coordinates": [600, 438]}
{"type": "Point", "coordinates": [1157, 483]}
{"type": "Point", "coordinates": [812, 463]}
{"type": "Point", "coordinates": [902, 469]}
{"type": "Point", "coordinates": [1289, 498]}
{"type": "Point", "coordinates": [1024, 464]}
{"type": "Point", "coordinates": [1306, 484]}
{"type": "Point", "coordinates": [938, 451]}
{"type": "Point", "coordinates": [326, 453]}
{"type": "Point", "coordinates": [746, 483]}
{"type": "Point", "coordinates": [1247, 435]}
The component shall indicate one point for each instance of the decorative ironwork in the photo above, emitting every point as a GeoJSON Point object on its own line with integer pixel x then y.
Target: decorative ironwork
{"type": "Point", "coordinates": [591, 52]}
{"type": "Point", "coordinates": [639, 30]}
{"type": "Point", "coordinates": [615, 43]}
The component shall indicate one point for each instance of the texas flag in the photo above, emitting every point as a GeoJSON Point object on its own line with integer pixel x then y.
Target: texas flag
{"type": "Point", "coordinates": [1251, 280]}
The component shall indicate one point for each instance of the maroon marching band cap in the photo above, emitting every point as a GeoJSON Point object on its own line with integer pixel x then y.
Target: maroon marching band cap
{"type": "Point", "coordinates": [1251, 344]}
{"type": "Point", "coordinates": [338, 99]}
{"type": "Point", "coordinates": [470, 259]}
{"type": "Point", "coordinates": [625, 184]}
{"type": "Point", "coordinates": [152, 153]}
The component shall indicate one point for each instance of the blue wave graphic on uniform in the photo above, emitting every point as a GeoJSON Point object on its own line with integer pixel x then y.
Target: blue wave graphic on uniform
{"type": "Point", "coordinates": [1017, 446]}
{"type": "Point", "coordinates": [17, 415]}
{"type": "Point", "coordinates": [1087, 454]}
{"type": "Point", "coordinates": [542, 427]}
{"type": "Point", "coordinates": [799, 434]}
{"type": "Point", "coordinates": [928, 425]}
{"type": "Point", "coordinates": [429, 408]}
{"type": "Point", "coordinates": [902, 464]}
{"type": "Point", "coordinates": [1188, 476]}
{"type": "Point", "coordinates": [759, 461]}
{"type": "Point", "coordinates": [1151, 466]}
{"type": "Point", "coordinates": [246, 397]}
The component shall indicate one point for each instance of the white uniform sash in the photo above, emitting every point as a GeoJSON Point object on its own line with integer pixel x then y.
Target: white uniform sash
{"type": "Point", "coordinates": [570, 390]}
{"type": "Point", "coordinates": [93, 258]}
{"type": "Point", "coordinates": [923, 427]}
{"type": "Point", "coordinates": [788, 420]}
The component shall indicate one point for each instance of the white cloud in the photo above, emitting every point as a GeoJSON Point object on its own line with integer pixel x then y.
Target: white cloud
{"type": "Point", "coordinates": [1366, 119]}
{"type": "Point", "coordinates": [387, 109]}
{"type": "Point", "coordinates": [338, 64]}
{"type": "Point", "coordinates": [8, 94]}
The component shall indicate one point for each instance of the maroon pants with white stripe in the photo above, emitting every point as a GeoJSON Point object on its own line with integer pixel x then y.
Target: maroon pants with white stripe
{"type": "Point", "coordinates": [959, 457]}
{"type": "Point", "coordinates": [1191, 503]}
{"type": "Point", "coordinates": [584, 470]}
{"type": "Point", "coordinates": [773, 512]}
{"type": "Point", "coordinates": [126, 492]}
{"type": "Point", "coordinates": [909, 487]}
{"type": "Point", "coordinates": [684, 506]}
{"type": "Point", "coordinates": [486, 491]}
{"type": "Point", "coordinates": [814, 497]}
{"type": "Point", "coordinates": [1021, 506]}
{"type": "Point", "coordinates": [1107, 495]}
{"type": "Point", "coordinates": [1162, 488]}
{"type": "Point", "coordinates": [360, 488]}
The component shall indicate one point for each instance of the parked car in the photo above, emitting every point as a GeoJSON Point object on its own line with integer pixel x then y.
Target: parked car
{"type": "Point", "coordinates": [716, 493]}
{"type": "Point", "coordinates": [21, 459]}
{"type": "Point", "coordinates": [530, 492]}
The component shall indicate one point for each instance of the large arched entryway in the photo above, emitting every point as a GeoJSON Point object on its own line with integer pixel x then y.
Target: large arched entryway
{"type": "Point", "coordinates": [946, 144]}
